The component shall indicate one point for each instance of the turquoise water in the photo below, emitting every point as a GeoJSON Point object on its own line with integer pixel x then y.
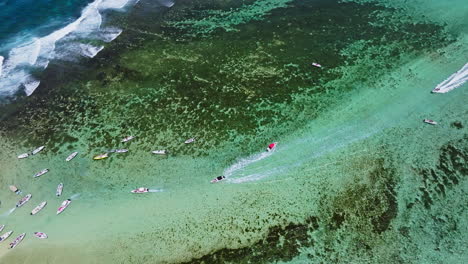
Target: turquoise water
{"type": "Point", "coordinates": [356, 177]}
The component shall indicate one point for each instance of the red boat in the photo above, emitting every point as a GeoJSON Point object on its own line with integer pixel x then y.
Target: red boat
{"type": "Point", "coordinates": [272, 146]}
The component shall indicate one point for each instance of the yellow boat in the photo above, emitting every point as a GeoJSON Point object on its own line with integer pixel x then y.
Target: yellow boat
{"type": "Point", "coordinates": [100, 157]}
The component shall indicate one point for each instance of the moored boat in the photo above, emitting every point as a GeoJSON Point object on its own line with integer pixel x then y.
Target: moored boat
{"type": "Point", "coordinates": [429, 121]}
{"type": "Point", "coordinates": [71, 156]}
{"type": "Point", "coordinates": [190, 140]}
{"type": "Point", "coordinates": [59, 189]}
{"type": "Point", "coordinates": [24, 155]}
{"type": "Point", "coordinates": [34, 152]}
{"type": "Point", "coordinates": [126, 139]}
{"type": "Point", "coordinates": [38, 208]}
{"type": "Point", "coordinates": [40, 235]}
{"type": "Point", "coordinates": [140, 190]}
{"type": "Point", "coordinates": [159, 152]}
{"type": "Point", "coordinates": [101, 156]}
{"type": "Point", "coordinates": [17, 240]}
{"type": "Point", "coordinates": [23, 200]}
{"type": "Point", "coordinates": [5, 236]}
{"type": "Point", "coordinates": [63, 206]}
{"type": "Point", "coordinates": [42, 172]}
{"type": "Point", "coordinates": [316, 65]}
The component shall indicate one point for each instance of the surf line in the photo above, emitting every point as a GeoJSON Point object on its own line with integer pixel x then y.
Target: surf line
{"type": "Point", "coordinates": [454, 81]}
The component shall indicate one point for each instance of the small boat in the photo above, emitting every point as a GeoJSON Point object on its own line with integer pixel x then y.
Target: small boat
{"type": "Point", "coordinates": [38, 208]}
{"type": "Point", "coordinates": [23, 200]}
{"type": "Point", "coordinates": [121, 150]}
{"type": "Point", "coordinates": [316, 65]}
{"type": "Point", "coordinates": [15, 189]}
{"type": "Point", "coordinates": [190, 140]}
{"type": "Point", "coordinates": [71, 156]}
{"type": "Point", "coordinates": [34, 152]}
{"type": "Point", "coordinates": [217, 179]}
{"type": "Point", "coordinates": [24, 155]}
{"type": "Point", "coordinates": [1, 227]}
{"type": "Point", "coordinates": [102, 156]}
{"type": "Point", "coordinates": [429, 121]}
{"type": "Point", "coordinates": [40, 235]}
{"type": "Point", "coordinates": [59, 189]}
{"type": "Point", "coordinates": [140, 190]}
{"type": "Point", "coordinates": [63, 206]}
{"type": "Point", "coordinates": [6, 235]}
{"type": "Point", "coordinates": [17, 240]}
{"type": "Point", "coordinates": [126, 139]}
{"type": "Point", "coordinates": [42, 172]}
{"type": "Point", "coordinates": [159, 152]}
{"type": "Point", "coordinates": [272, 146]}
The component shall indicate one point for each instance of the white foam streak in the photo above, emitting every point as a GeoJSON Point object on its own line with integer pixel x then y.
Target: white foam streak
{"type": "Point", "coordinates": [39, 51]}
{"type": "Point", "coordinates": [243, 163]}
{"type": "Point", "coordinates": [454, 81]}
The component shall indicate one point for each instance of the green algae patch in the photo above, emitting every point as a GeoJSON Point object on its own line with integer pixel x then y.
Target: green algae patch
{"type": "Point", "coordinates": [212, 20]}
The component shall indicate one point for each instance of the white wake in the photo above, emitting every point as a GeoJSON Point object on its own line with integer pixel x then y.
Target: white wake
{"type": "Point", "coordinates": [455, 80]}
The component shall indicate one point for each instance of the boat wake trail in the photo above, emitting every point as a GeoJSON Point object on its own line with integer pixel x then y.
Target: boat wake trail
{"type": "Point", "coordinates": [8, 212]}
{"type": "Point", "coordinates": [455, 80]}
{"type": "Point", "coordinates": [75, 196]}
{"type": "Point", "coordinates": [245, 162]}
{"type": "Point", "coordinates": [155, 190]}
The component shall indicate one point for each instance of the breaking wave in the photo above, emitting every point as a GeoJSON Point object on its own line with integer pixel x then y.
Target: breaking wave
{"type": "Point", "coordinates": [62, 44]}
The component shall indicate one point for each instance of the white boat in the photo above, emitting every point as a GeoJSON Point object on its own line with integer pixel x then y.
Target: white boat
{"type": "Point", "coordinates": [40, 235]}
{"type": "Point", "coordinates": [159, 152]}
{"type": "Point", "coordinates": [63, 206]}
{"type": "Point", "coordinates": [218, 179]}
{"type": "Point", "coordinates": [15, 189]}
{"type": "Point", "coordinates": [100, 157]}
{"type": "Point", "coordinates": [316, 65]}
{"type": "Point", "coordinates": [23, 156]}
{"type": "Point", "coordinates": [6, 235]}
{"type": "Point", "coordinates": [42, 172]}
{"type": "Point", "coordinates": [59, 189]}
{"type": "Point", "coordinates": [429, 121]}
{"type": "Point", "coordinates": [1, 227]}
{"type": "Point", "coordinates": [272, 146]}
{"type": "Point", "coordinates": [23, 200]}
{"type": "Point", "coordinates": [34, 152]}
{"type": "Point", "coordinates": [71, 156]}
{"type": "Point", "coordinates": [121, 150]}
{"type": "Point", "coordinates": [190, 140]}
{"type": "Point", "coordinates": [38, 208]}
{"type": "Point", "coordinates": [126, 139]}
{"type": "Point", "coordinates": [140, 190]}
{"type": "Point", "coordinates": [17, 240]}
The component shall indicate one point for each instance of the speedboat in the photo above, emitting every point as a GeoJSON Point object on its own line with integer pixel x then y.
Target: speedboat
{"type": "Point", "coordinates": [126, 139]}
{"type": "Point", "coordinates": [71, 156]}
{"type": "Point", "coordinates": [140, 190]}
{"type": "Point", "coordinates": [316, 65]}
{"type": "Point", "coordinates": [272, 146]}
{"type": "Point", "coordinates": [63, 206]}
{"type": "Point", "coordinates": [159, 152]}
{"type": "Point", "coordinates": [34, 152]}
{"type": "Point", "coordinates": [17, 240]}
{"type": "Point", "coordinates": [23, 200]}
{"type": "Point", "coordinates": [429, 121]}
{"type": "Point", "coordinates": [217, 179]}
{"type": "Point", "coordinates": [42, 172]}
{"type": "Point", "coordinates": [38, 208]}
{"type": "Point", "coordinates": [59, 189]}
{"type": "Point", "coordinates": [22, 156]}
{"type": "Point", "coordinates": [100, 157]}
{"type": "Point", "coordinates": [1, 227]}
{"type": "Point", "coordinates": [190, 140]}
{"type": "Point", "coordinates": [40, 235]}
{"type": "Point", "coordinates": [5, 236]}
{"type": "Point", "coordinates": [121, 150]}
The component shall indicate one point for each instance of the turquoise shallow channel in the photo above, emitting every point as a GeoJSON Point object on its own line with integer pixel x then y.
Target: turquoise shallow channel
{"type": "Point", "coordinates": [356, 177]}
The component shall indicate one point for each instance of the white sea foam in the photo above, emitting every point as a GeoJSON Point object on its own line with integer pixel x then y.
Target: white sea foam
{"type": "Point", "coordinates": [1, 65]}
{"type": "Point", "coordinates": [39, 51]}
{"type": "Point", "coordinates": [454, 81]}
